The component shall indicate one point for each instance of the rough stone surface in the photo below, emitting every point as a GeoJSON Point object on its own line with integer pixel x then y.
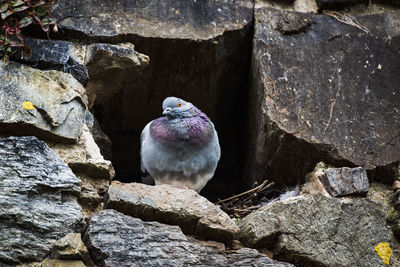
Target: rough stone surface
{"type": "Point", "coordinates": [345, 181]}
{"type": "Point", "coordinates": [115, 239]}
{"type": "Point", "coordinates": [318, 231]}
{"type": "Point", "coordinates": [167, 19]}
{"type": "Point", "coordinates": [54, 263]}
{"type": "Point", "coordinates": [54, 55]}
{"type": "Point", "coordinates": [338, 4]}
{"type": "Point", "coordinates": [86, 161]}
{"type": "Point", "coordinates": [329, 91]}
{"type": "Point", "coordinates": [84, 157]}
{"type": "Point", "coordinates": [38, 199]}
{"type": "Point", "coordinates": [71, 247]}
{"type": "Point", "coordinates": [105, 60]}
{"type": "Point", "coordinates": [192, 212]}
{"type": "Point", "coordinates": [58, 100]}
{"type": "Point", "coordinates": [199, 51]}
{"type": "Point", "coordinates": [313, 184]}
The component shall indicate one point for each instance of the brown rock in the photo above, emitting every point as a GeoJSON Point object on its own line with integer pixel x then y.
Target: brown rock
{"type": "Point", "coordinates": [192, 212]}
{"type": "Point", "coordinates": [71, 247]}
{"type": "Point", "coordinates": [313, 184]}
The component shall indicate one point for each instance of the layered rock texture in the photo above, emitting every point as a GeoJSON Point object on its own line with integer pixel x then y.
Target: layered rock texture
{"type": "Point", "coordinates": [119, 240]}
{"type": "Point", "coordinates": [318, 231]}
{"type": "Point", "coordinates": [38, 199]}
{"type": "Point", "coordinates": [56, 103]}
{"type": "Point", "coordinates": [192, 212]}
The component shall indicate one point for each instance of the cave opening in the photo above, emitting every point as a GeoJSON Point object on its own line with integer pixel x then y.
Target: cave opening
{"type": "Point", "coordinates": [211, 74]}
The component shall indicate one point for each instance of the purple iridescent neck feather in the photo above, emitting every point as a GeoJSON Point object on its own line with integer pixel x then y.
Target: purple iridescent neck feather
{"type": "Point", "coordinates": [194, 130]}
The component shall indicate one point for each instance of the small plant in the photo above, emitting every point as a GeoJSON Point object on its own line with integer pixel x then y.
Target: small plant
{"type": "Point", "coordinates": [17, 14]}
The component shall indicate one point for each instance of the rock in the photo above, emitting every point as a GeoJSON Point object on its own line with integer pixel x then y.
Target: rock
{"type": "Point", "coordinates": [38, 200]}
{"type": "Point", "coordinates": [58, 103]}
{"type": "Point", "coordinates": [86, 161]}
{"type": "Point", "coordinates": [84, 157]}
{"type": "Point", "coordinates": [345, 181]}
{"type": "Point", "coordinates": [396, 185]}
{"type": "Point", "coordinates": [338, 4]}
{"type": "Point", "coordinates": [100, 20]}
{"type": "Point", "coordinates": [54, 263]}
{"type": "Point", "coordinates": [318, 231]}
{"type": "Point", "coordinates": [54, 55]}
{"type": "Point", "coordinates": [198, 50]}
{"type": "Point", "coordinates": [313, 184]}
{"type": "Point", "coordinates": [115, 239]}
{"type": "Point", "coordinates": [71, 247]}
{"type": "Point", "coordinates": [117, 60]}
{"type": "Point", "coordinates": [193, 213]}
{"type": "Point", "coordinates": [381, 194]}
{"type": "Point", "coordinates": [298, 102]}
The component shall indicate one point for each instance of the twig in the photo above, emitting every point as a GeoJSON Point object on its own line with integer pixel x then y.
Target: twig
{"type": "Point", "coordinates": [244, 193]}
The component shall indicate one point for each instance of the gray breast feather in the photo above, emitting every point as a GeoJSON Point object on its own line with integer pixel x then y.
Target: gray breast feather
{"type": "Point", "coordinates": [190, 167]}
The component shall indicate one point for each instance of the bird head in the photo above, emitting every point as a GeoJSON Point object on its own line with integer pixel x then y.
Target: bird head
{"type": "Point", "coordinates": [174, 107]}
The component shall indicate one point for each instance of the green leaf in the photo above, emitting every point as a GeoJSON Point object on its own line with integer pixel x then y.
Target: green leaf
{"type": "Point", "coordinates": [38, 3]}
{"type": "Point", "coordinates": [16, 3]}
{"type": "Point", "coordinates": [21, 8]}
{"type": "Point", "coordinates": [25, 22]}
{"type": "Point", "coordinates": [5, 14]}
{"type": "Point", "coordinates": [48, 21]}
{"type": "Point", "coordinates": [3, 7]}
{"type": "Point", "coordinates": [41, 10]}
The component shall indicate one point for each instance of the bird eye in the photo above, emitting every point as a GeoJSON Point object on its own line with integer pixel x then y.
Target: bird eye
{"type": "Point", "coordinates": [179, 104]}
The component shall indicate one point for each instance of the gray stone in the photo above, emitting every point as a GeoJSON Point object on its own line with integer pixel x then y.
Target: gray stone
{"type": "Point", "coordinates": [59, 103]}
{"type": "Point", "coordinates": [198, 50]}
{"type": "Point", "coordinates": [193, 213]}
{"type": "Point", "coordinates": [338, 4]}
{"type": "Point", "coordinates": [115, 239]}
{"type": "Point", "coordinates": [38, 200]}
{"type": "Point", "coordinates": [319, 231]}
{"type": "Point", "coordinates": [167, 19]}
{"type": "Point", "coordinates": [345, 181]}
{"type": "Point", "coordinates": [329, 91]}
{"type": "Point", "coordinates": [53, 55]}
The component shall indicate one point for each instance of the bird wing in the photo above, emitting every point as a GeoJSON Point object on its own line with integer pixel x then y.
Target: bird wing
{"type": "Point", "coordinates": [143, 137]}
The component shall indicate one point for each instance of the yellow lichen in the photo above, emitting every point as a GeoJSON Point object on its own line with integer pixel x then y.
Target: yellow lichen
{"type": "Point", "coordinates": [28, 105]}
{"type": "Point", "coordinates": [384, 251]}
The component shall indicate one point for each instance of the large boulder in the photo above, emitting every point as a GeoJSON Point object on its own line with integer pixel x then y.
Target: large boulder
{"type": "Point", "coordinates": [315, 230]}
{"type": "Point", "coordinates": [48, 104]}
{"type": "Point", "coordinates": [114, 239]}
{"type": "Point", "coordinates": [38, 200]}
{"type": "Point", "coordinates": [199, 50]}
{"type": "Point", "coordinates": [324, 87]}
{"type": "Point", "coordinates": [193, 213]}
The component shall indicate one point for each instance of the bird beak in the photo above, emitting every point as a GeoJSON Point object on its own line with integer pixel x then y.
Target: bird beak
{"type": "Point", "coordinates": [166, 111]}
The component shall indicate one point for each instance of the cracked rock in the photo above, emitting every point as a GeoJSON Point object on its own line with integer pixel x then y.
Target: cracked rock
{"type": "Point", "coordinates": [319, 231]}
{"type": "Point", "coordinates": [329, 92]}
{"type": "Point", "coordinates": [115, 239]}
{"type": "Point", "coordinates": [56, 103]}
{"type": "Point", "coordinates": [193, 213]}
{"type": "Point", "coordinates": [38, 200]}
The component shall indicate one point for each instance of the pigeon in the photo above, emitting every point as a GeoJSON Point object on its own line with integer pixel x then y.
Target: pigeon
{"type": "Point", "coordinates": [181, 148]}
